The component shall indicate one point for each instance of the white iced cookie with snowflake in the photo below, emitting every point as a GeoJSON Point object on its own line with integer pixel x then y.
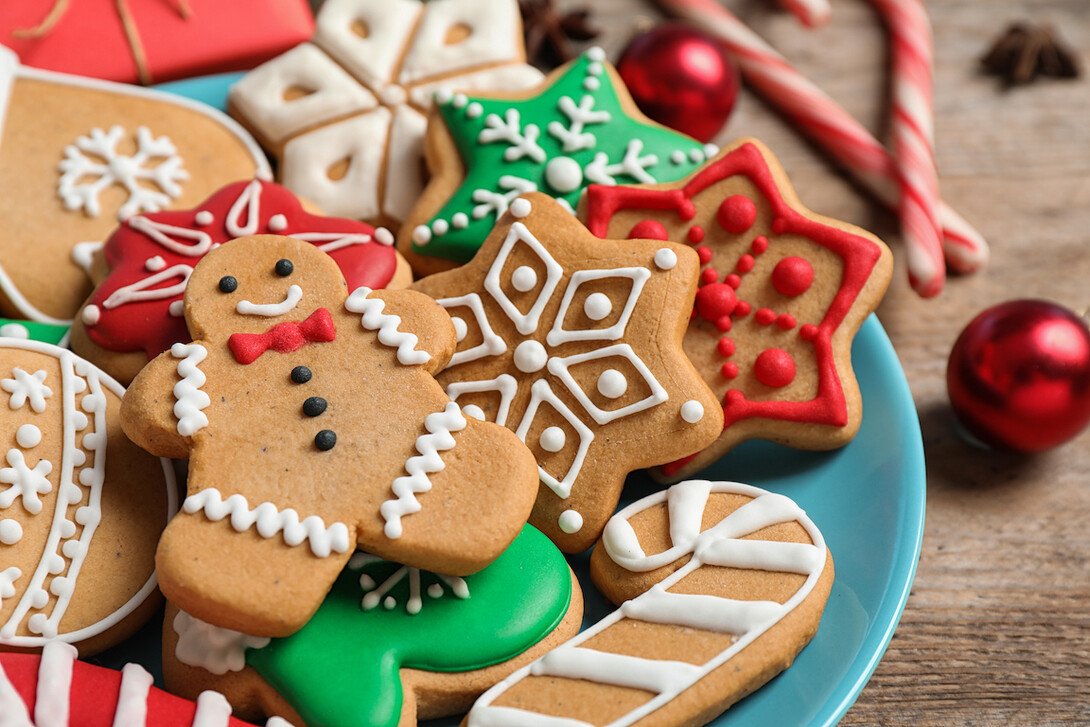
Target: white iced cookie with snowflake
{"type": "Point", "coordinates": [77, 156]}
{"type": "Point", "coordinates": [346, 113]}
{"type": "Point", "coordinates": [81, 507]}
{"type": "Point", "coordinates": [574, 343]}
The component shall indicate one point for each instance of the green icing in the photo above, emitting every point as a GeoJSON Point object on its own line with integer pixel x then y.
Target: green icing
{"type": "Point", "coordinates": [341, 669]}
{"type": "Point", "coordinates": [522, 156]}
{"type": "Point", "coordinates": [44, 332]}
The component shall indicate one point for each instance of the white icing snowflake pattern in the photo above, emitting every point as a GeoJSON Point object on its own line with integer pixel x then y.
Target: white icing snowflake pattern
{"type": "Point", "coordinates": [27, 387]}
{"type": "Point", "coordinates": [95, 157]}
{"type": "Point", "coordinates": [25, 482]}
{"type": "Point", "coordinates": [377, 594]}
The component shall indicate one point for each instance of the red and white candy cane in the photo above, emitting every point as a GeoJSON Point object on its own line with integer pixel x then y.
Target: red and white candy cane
{"type": "Point", "coordinates": [820, 117]}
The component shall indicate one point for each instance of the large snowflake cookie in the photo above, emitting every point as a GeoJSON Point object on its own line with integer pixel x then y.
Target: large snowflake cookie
{"type": "Point", "coordinates": [312, 423]}
{"type": "Point", "coordinates": [135, 312]}
{"type": "Point", "coordinates": [404, 644]}
{"type": "Point", "coordinates": [783, 292]}
{"type": "Point", "coordinates": [579, 127]}
{"type": "Point", "coordinates": [575, 344]}
{"type": "Point", "coordinates": [81, 507]}
{"type": "Point", "coordinates": [78, 155]}
{"type": "Point", "coordinates": [720, 585]}
{"type": "Point", "coordinates": [346, 113]}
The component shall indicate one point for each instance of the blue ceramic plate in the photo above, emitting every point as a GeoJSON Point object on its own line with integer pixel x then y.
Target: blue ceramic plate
{"type": "Point", "coordinates": [867, 498]}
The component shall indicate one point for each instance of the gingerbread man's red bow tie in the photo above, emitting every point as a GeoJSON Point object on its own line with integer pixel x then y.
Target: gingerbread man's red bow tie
{"type": "Point", "coordinates": [283, 337]}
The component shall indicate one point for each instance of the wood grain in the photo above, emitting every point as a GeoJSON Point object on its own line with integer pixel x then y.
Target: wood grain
{"type": "Point", "coordinates": [997, 629]}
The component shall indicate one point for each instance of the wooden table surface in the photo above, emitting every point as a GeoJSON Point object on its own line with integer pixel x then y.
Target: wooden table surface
{"type": "Point", "coordinates": [997, 627]}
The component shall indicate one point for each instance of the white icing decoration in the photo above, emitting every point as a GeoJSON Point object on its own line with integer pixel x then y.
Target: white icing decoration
{"type": "Point", "coordinates": [27, 387]}
{"type": "Point", "coordinates": [459, 101]}
{"type": "Point", "coordinates": [213, 710]}
{"type": "Point", "coordinates": [559, 367]}
{"type": "Point", "coordinates": [692, 411]}
{"type": "Point", "coordinates": [378, 594]}
{"type": "Point", "coordinates": [612, 384]}
{"type": "Point", "coordinates": [460, 328]}
{"type": "Point", "coordinates": [721, 545]}
{"type": "Point", "coordinates": [421, 235]}
{"type": "Point", "coordinates": [559, 335]}
{"type": "Point", "coordinates": [474, 110]}
{"type": "Point", "coordinates": [27, 436]}
{"type": "Point", "coordinates": [154, 264]}
{"type": "Point", "coordinates": [11, 532]}
{"type": "Point", "coordinates": [440, 227]}
{"type": "Point", "coordinates": [523, 142]}
{"type": "Point", "coordinates": [573, 137]}
{"type": "Point", "coordinates": [51, 705]}
{"type": "Point", "coordinates": [25, 482]}
{"type": "Point", "coordinates": [564, 174]}
{"type": "Point", "coordinates": [665, 259]}
{"type": "Point", "coordinates": [460, 220]}
{"type": "Point", "coordinates": [83, 254]}
{"type": "Point", "coordinates": [214, 649]}
{"type": "Point", "coordinates": [269, 520]}
{"type": "Point", "coordinates": [677, 157]}
{"type": "Point", "coordinates": [596, 54]}
{"type": "Point", "coordinates": [91, 314]}
{"type": "Point", "coordinates": [134, 172]}
{"type": "Point", "coordinates": [530, 356]}
{"type": "Point", "coordinates": [384, 236]}
{"type": "Point", "coordinates": [180, 240]}
{"type": "Point", "coordinates": [521, 208]}
{"type": "Point", "coordinates": [14, 330]}
{"type": "Point", "coordinates": [497, 203]}
{"type": "Point", "coordinates": [472, 410]}
{"type": "Point", "coordinates": [552, 439]}
{"type": "Point", "coordinates": [524, 278]}
{"type": "Point", "coordinates": [570, 522]}
{"type": "Point", "coordinates": [696, 155]}
{"type": "Point", "coordinates": [278, 223]}
{"type": "Point", "coordinates": [176, 308]}
{"type": "Point", "coordinates": [132, 697]}
{"type": "Point", "coordinates": [602, 171]}
{"type": "Point", "coordinates": [439, 438]}
{"type": "Point", "coordinates": [525, 323]}
{"type": "Point", "coordinates": [490, 345]}
{"type": "Point", "coordinates": [204, 218]}
{"type": "Point", "coordinates": [270, 310]}
{"type": "Point", "coordinates": [386, 324]}
{"type": "Point", "coordinates": [189, 399]}
{"type": "Point", "coordinates": [597, 306]}
{"type": "Point", "coordinates": [541, 392]}
{"type": "Point", "coordinates": [504, 384]}
{"type": "Point", "coordinates": [144, 289]}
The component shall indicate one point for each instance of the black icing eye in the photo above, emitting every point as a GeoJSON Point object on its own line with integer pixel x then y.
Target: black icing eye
{"type": "Point", "coordinates": [228, 284]}
{"type": "Point", "coordinates": [284, 268]}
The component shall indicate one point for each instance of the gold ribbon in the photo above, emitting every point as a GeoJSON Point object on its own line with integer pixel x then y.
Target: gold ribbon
{"type": "Point", "coordinates": [60, 7]}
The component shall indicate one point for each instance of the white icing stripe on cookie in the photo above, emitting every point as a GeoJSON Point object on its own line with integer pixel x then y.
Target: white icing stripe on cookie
{"type": "Point", "coordinates": [387, 326]}
{"type": "Point", "coordinates": [747, 619]}
{"type": "Point", "coordinates": [54, 685]}
{"type": "Point", "coordinates": [13, 712]}
{"type": "Point", "coordinates": [269, 521]}
{"type": "Point", "coordinates": [438, 439]}
{"type": "Point", "coordinates": [270, 310]}
{"type": "Point", "coordinates": [189, 399]}
{"type": "Point", "coordinates": [132, 698]}
{"type": "Point", "coordinates": [213, 710]}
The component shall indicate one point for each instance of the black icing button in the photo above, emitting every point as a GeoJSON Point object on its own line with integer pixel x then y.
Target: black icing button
{"type": "Point", "coordinates": [325, 440]}
{"type": "Point", "coordinates": [301, 374]}
{"type": "Point", "coordinates": [314, 406]}
{"type": "Point", "coordinates": [228, 284]}
{"type": "Point", "coordinates": [284, 268]}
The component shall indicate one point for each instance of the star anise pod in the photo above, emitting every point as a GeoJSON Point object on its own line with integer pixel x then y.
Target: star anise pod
{"type": "Point", "coordinates": [1025, 52]}
{"type": "Point", "coordinates": [549, 32]}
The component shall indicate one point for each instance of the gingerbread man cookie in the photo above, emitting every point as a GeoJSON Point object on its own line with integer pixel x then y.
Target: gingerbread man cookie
{"type": "Point", "coordinates": [783, 292]}
{"type": "Point", "coordinates": [312, 424]}
{"type": "Point", "coordinates": [575, 344]}
{"type": "Point", "coordinates": [135, 311]}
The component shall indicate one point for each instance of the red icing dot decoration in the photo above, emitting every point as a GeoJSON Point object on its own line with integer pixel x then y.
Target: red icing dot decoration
{"type": "Point", "coordinates": [715, 303]}
{"type": "Point", "coordinates": [760, 244]}
{"type": "Point", "coordinates": [725, 347]}
{"type": "Point", "coordinates": [745, 264]}
{"type": "Point", "coordinates": [687, 210]}
{"type": "Point", "coordinates": [742, 309]}
{"type": "Point", "coordinates": [786, 321]}
{"type": "Point", "coordinates": [696, 234]}
{"type": "Point", "coordinates": [765, 316]}
{"type": "Point", "coordinates": [709, 276]}
{"type": "Point", "coordinates": [792, 276]}
{"type": "Point", "coordinates": [705, 254]}
{"type": "Point", "coordinates": [733, 281]}
{"type": "Point", "coordinates": [737, 214]}
{"type": "Point", "coordinates": [808, 332]}
{"type": "Point", "coordinates": [729, 370]}
{"type": "Point", "coordinates": [648, 230]}
{"type": "Point", "coordinates": [775, 368]}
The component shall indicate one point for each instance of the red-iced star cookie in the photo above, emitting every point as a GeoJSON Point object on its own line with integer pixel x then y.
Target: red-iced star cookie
{"type": "Point", "coordinates": [783, 292]}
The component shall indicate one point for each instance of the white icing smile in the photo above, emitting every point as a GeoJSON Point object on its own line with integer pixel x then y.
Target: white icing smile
{"type": "Point", "coordinates": [270, 310]}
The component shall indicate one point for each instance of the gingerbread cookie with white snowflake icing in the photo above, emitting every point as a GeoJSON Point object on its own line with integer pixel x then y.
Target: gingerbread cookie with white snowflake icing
{"type": "Point", "coordinates": [79, 155]}
{"type": "Point", "coordinates": [312, 423]}
{"type": "Point", "coordinates": [81, 507]}
{"type": "Point", "coordinates": [574, 343]}
{"type": "Point", "coordinates": [579, 127]}
{"type": "Point", "coordinates": [135, 312]}
{"type": "Point", "coordinates": [783, 292]}
{"type": "Point", "coordinates": [346, 113]}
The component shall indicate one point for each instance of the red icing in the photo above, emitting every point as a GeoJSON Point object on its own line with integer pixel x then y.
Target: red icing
{"type": "Point", "coordinates": [709, 276]}
{"type": "Point", "coordinates": [715, 302]}
{"type": "Point", "coordinates": [283, 337]}
{"type": "Point", "coordinates": [648, 230]}
{"type": "Point", "coordinates": [792, 276]}
{"type": "Point", "coordinates": [745, 264]}
{"type": "Point", "coordinates": [94, 692]}
{"type": "Point", "coordinates": [725, 347]}
{"type": "Point", "coordinates": [759, 245]}
{"type": "Point", "coordinates": [729, 370]}
{"type": "Point", "coordinates": [705, 254]}
{"type": "Point", "coordinates": [775, 368]}
{"type": "Point", "coordinates": [696, 234]}
{"type": "Point", "coordinates": [146, 325]}
{"type": "Point", "coordinates": [765, 316]}
{"type": "Point", "coordinates": [858, 255]}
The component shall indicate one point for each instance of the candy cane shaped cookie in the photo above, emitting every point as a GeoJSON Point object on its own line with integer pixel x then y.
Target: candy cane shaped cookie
{"type": "Point", "coordinates": [727, 583]}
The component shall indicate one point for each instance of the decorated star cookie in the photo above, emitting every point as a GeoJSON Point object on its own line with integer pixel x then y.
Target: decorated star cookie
{"type": "Point", "coordinates": [135, 312]}
{"type": "Point", "coordinates": [312, 424]}
{"type": "Point", "coordinates": [574, 343]}
{"type": "Point", "coordinates": [346, 113]}
{"type": "Point", "coordinates": [56, 689]}
{"type": "Point", "coordinates": [79, 155]}
{"type": "Point", "coordinates": [81, 507]}
{"type": "Point", "coordinates": [722, 585]}
{"type": "Point", "coordinates": [403, 644]}
{"type": "Point", "coordinates": [579, 127]}
{"type": "Point", "coordinates": [783, 292]}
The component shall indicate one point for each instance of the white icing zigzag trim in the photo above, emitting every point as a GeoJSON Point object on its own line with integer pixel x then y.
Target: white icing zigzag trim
{"type": "Point", "coordinates": [386, 324]}
{"type": "Point", "coordinates": [439, 439]}
{"type": "Point", "coordinates": [189, 399]}
{"type": "Point", "coordinates": [270, 520]}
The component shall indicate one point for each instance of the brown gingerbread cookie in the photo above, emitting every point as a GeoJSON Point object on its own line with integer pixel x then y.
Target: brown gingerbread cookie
{"type": "Point", "coordinates": [574, 343]}
{"type": "Point", "coordinates": [312, 424]}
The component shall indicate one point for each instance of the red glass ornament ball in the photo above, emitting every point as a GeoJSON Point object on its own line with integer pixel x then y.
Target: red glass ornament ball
{"type": "Point", "coordinates": [682, 78]}
{"type": "Point", "coordinates": [1019, 376]}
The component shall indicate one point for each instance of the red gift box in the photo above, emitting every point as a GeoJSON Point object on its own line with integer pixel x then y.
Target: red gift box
{"type": "Point", "coordinates": [151, 41]}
